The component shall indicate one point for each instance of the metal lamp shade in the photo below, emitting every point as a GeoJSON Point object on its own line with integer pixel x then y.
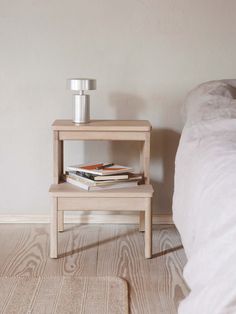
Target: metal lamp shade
{"type": "Point", "coordinates": [82, 84]}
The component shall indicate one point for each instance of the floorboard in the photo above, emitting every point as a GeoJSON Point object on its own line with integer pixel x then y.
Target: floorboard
{"type": "Point", "coordinates": [155, 285]}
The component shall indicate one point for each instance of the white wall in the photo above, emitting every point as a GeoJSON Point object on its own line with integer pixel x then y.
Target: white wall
{"type": "Point", "coordinates": [145, 56]}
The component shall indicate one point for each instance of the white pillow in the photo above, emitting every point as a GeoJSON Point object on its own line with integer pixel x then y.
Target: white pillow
{"type": "Point", "coordinates": [211, 100]}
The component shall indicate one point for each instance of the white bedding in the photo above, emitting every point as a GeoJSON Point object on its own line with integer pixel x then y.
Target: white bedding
{"type": "Point", "coordinates": [204, 204]}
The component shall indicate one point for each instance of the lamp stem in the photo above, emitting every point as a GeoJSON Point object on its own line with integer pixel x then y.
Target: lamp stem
{"type": "Point", "coordinates": [81, 108]}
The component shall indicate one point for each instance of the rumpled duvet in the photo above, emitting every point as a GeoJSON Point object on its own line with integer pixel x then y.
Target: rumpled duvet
{"type": "Point", "coordinates": [204, 203]}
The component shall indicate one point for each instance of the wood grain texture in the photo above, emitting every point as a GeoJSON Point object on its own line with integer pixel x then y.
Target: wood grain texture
{"type": "Point", "coordinates": [29, 249]}
{"type": "Point", "coordinates": [155, 285]}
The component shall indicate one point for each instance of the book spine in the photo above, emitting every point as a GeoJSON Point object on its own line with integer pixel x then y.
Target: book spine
{"type": "Point", "coordinates": [81, 179]}
{"type": "Point", "coordinates": [77, 183]}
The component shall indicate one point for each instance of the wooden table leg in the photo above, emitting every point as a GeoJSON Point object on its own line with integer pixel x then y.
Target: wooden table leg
{"type": "Point", "coordinates": [142, 221]}
{"type": "Point", "coordinates": [54, 230]}
{"type": "Point", "coordinates": [144, 168]}
{"type": "Point", "coordinates": [58, 156]}
{"type": "Point", "coordinates": [148, 232]}
{"type": "Point", "coordinates": [60, 220]}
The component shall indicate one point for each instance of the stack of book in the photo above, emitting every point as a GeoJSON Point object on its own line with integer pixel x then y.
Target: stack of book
{"type": "Point", "coordinates": [100, 176]}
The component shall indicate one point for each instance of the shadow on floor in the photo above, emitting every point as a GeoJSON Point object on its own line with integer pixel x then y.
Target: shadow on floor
{"type": "Point", "coordinates": [171, 250]}
{"type": "Point", "coordinates": [78, 250]}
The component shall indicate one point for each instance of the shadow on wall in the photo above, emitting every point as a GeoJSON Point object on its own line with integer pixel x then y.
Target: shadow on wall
{"type": "Point", "coordinates": [164, 144]}
{"type": "Point", "coordinates": [127, 106]}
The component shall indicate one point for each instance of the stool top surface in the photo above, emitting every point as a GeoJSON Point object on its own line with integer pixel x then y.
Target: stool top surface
{"type": "Point", "coordinates": [103, 125]}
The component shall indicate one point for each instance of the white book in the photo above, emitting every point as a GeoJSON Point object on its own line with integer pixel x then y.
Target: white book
{"type": "Point", "coordinates": [111, 177]}
{"type": "Point", "coordinates": [89, 187]}
{"type": "Point", "coordinates": [90, 182]}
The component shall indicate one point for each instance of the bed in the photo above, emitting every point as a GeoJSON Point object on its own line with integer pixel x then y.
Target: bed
{"type": "Point", "coordinates": [204, 203]}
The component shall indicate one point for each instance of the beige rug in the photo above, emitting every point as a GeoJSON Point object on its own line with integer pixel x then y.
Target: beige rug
{"type": "Point", "coordinates": [63, 295]}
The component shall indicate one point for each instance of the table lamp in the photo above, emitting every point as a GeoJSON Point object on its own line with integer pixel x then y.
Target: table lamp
{"type": "Point", "coordinates": [81, 101]}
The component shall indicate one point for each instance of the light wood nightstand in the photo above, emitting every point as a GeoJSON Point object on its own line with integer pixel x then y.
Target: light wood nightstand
{"type": "Point", "coordinates": [68, 197]}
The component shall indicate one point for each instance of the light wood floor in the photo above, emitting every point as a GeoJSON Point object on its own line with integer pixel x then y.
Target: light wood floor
{"type": "Point", "coordinates": [155, 286]}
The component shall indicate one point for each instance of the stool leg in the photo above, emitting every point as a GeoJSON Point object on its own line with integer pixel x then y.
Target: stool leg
{"type": "Point", "coordinates": [148, 233]}
{"type": "Point", "coordinates": [60, 220]}
{"type": "Point", "coordinates": [54, 230]}
{"type": "Point", "coordinates": [142, 221]}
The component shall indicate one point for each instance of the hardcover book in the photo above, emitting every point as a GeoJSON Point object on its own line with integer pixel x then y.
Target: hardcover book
{"type": "Point", "coordinates": [89, 187]}
{"type": "Point", "coordinates": [91, 182]}
{"type": "Point", "coordinates": [100, 169]}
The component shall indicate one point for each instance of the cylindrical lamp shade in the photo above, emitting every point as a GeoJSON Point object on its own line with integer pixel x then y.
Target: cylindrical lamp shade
{"type": "Point", "coordinates": [82, 84]}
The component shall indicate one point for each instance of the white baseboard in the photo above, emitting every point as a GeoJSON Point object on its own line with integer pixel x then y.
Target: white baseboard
{"type": "Point", "coordinates": [86, 218]}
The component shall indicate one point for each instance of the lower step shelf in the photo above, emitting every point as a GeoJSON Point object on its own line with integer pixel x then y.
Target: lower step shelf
{"type": "Point", "coordinates": [68, 190]}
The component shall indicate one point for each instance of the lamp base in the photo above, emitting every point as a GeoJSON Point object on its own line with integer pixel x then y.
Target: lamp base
{"type": "Point", "coordinates": [81, 108]}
